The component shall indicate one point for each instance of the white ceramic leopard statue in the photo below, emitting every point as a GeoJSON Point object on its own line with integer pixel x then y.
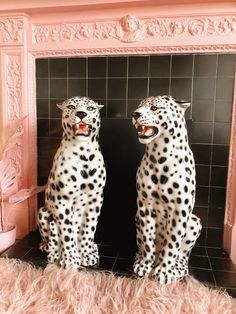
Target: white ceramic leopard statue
{"type": "Point", "coordinates": [74, 194]}
{"type": "Point", "coordinates": [166, 227]}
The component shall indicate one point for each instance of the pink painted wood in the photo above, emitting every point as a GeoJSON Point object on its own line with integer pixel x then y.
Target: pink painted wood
{"type": "Point", "coordinates": [32, 29]}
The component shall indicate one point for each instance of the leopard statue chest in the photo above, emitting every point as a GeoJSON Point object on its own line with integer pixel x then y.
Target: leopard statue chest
{"type": "Point", "coordinates": [74, 195]}
{"type": "Point", "coordinates": [166, 227]}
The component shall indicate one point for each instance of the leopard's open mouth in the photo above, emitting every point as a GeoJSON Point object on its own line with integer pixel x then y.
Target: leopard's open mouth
{"type": "Point", "coordinates": [146, 131]}
{"type": "Point", "coordinates": [82, 128]}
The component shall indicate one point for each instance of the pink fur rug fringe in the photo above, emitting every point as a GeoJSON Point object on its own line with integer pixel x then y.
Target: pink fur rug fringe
{"type": "Point", "coordinates": [25, 289]}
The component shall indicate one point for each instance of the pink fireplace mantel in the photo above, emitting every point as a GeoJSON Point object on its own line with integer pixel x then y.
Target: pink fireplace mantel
{"type": "Point", "coordinates": [32, 29]}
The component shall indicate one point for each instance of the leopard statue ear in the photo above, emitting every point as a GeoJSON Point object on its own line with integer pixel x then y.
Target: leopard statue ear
{"type": "Point", "coordinates": [61, 105]}
{"type": "Point", "coordinates": [99, 106]}
{"type": "Point", "coordinates": [183, 103]}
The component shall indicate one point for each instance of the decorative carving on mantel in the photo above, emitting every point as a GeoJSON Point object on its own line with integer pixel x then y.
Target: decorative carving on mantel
{"type": "Point", "coordinates": [11, 30]}
{"type": "Point", "coordinates": [14, 90]}
{"type": "Point", "coordinates": [136, 50]}
{"type": "Point", "coordinates": [14, 96]}
{"type": "Point", "coordinates": [132, 29]}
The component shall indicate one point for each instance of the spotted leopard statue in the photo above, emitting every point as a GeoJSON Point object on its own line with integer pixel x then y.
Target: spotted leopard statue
{"type": "Point", "coordinates": [166, 227]}
{"type": "Point", "coordinates": [74, 194]}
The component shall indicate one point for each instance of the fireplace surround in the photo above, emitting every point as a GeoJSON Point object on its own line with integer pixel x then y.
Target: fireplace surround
{"type": "Point", "coordinates": [96, 28]}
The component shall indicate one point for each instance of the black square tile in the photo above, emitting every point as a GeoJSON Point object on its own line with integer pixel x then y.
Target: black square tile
{"type": "Point", "coordinates": [117, 67]}
{"type": "Point", "coordinates": [202, 175]}
{"type": "Point", "coordinates": [199, 251]}
{"type": "Point", "coordinates": [217, 252]}
{"type": "Point", "coordinates": [203, 88]}
{"type": "Point", "coordinates": [203, 275]}
{"type": "Point", "coordinates": [97, 88]}
{"type": "Point", "coordinates": [181, 88]}
{"type": "Point", "coordinates": [222, 133]}
{"type": "Point", "coordinates": [215, 217]}
{"type": "Point", "coordinates": [138, 66]}
{"type": "Point", "coordinates": [116, 108]}
{"type": "Point", "coordinates": [47, 146]}
{"type": "Point", "coordinates": [182, 65]}
{"type": "Point", "coordinates": [123, 265]}
{"type": "Point", "coordinates": [58, 88]}
{"type": "Point", "coordinates": [201, 153]}
{"type": "Point", "coordinates": [225, 279]}
{"type": "Point", "coordinates": [224, 88]}
{"type": "Point", "coordinates": [42, 127]}
{"type": "Point", "coordinates": [97, 67]}
{"type": "Point", "coordinates": [32, 239]}
{"type": "Point", "coordinates": [132, 104]}
{"type": "Point", "coordinates": [219, 176]}
{"type": "Point", "coordinates": [222, 264]}
{"type": "Point", "coordinates": [214, 237]}
{"type": "Point", "coordinates": [226, 65]}
{"type": "Point", "coordinates": [202, 132]}
{"type": "Point", "coordinates": [42, 88]}
{"type": "Point", "coordinates": [205, 65]}
{"type": "Point", "coordinates": [16, 251]}
{"type": "Point", "coordinates": [203, 110]}
{"type": "Point", "coordinates": [202, 193]}
{"type": "Point", "coordinates": [55, 112]}
{"type": "Point", "coordinates": [231, 292]}
{"type": "Point", "coordinates": [117, 88]}
{"type": "Point", "coordinates": [137, 88]}
{"type": "Point", "coordinates": [159, 86]}
{"type": "Point", "coordinates": [55, 128]}
{"type": "Point", "coordinates": [160, 66]}
{"type": "Point", "coordinates": [58, 68]}
{"type": "Point", "coordinates": [108, 251]}
{"type": "Point", "coordinates": [77, 67]}
{"type": "Point", "coordinates": [220, 155]}
{"type": "Point", "coordinates": [106, 263]}
{"type": "Point", "coordinates": [77, 87]}
{"type": "Point", "coordinates": [223, 110]}
{"type": "Point", "coordinates": [217, 197]}
{"type": "Point", "coordinates": [199, 262]}
{"type": "Point", "coordinates": [45, 165]}
{"type": "Point", "coordinates": [42, 108]}
{"type": "Point", "coordinates": [42, 67]}
{"type": "Point", "coordinates": [202, 213]}
{"type": "Point", "coordinates": [36, 257]}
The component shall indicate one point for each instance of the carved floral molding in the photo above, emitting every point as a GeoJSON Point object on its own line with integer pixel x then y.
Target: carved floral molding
{"type": "Point", "coordinates": [131, 29]}
{"type": "Point", "coordinates": [14, 98]}
{"type": "Point", "coordinates": [14, 87]}
{"type": "Point", "coordinates": [11, 30]}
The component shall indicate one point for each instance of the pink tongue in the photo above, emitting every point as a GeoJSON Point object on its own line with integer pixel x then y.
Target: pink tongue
{"type": "Point", "coordinates": [82, 127]}
{"type": "Point", "coordinates": [146, 130]}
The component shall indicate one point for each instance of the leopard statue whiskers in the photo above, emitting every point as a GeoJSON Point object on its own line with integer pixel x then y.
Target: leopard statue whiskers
{"type": "Point", "coordinates": [166, 227]}
{"type": "Point", "coordinates": [74, 194]}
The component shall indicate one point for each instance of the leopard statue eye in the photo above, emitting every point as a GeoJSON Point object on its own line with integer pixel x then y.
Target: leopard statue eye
{"type": "Point", "coordinates": [154, 108]}
{"type": "Point", "coordinates": [90, 108]}
{"type": "Point", "coordinates": [71, 107]}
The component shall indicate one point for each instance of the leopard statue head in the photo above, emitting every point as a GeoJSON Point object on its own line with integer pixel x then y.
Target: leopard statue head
{"type": "Point", "coordinates": [159, 116]}
{"type": "Point", "coordinates": [80, 118]}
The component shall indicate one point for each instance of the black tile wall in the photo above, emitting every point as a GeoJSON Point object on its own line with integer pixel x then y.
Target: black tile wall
{"type": "Point", "coordinates": [119, 83]}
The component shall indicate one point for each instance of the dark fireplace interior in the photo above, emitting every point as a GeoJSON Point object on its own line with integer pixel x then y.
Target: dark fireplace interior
{"type": "Point", "coordinates": [119, 83]}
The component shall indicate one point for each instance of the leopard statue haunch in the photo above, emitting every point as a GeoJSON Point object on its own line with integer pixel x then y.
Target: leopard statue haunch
{"type": "Point", "coordinates": [165, 225]}
{"type": "Point", "coordinates": [74, 194]}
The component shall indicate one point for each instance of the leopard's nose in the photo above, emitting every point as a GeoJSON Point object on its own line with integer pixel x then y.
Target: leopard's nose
{"type": "Point", "coordinates": [81, 114]}
{"type": "Point", "coordinates": [136, 115]}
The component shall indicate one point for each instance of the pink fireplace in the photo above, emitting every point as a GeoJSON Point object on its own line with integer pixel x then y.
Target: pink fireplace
{"type": "Point", "coordinates": [30, 30]}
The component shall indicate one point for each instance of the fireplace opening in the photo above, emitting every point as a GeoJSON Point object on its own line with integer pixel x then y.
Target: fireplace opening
{"type": "Point", "coordinates": [119, 83]}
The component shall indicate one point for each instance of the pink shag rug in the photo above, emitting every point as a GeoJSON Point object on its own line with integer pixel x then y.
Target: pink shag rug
{"type": "Point", "coordinates": [25, 289]}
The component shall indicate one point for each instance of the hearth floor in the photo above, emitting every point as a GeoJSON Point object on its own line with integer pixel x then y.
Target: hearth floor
{"type": "Point", "coordinates": [209, 265]}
